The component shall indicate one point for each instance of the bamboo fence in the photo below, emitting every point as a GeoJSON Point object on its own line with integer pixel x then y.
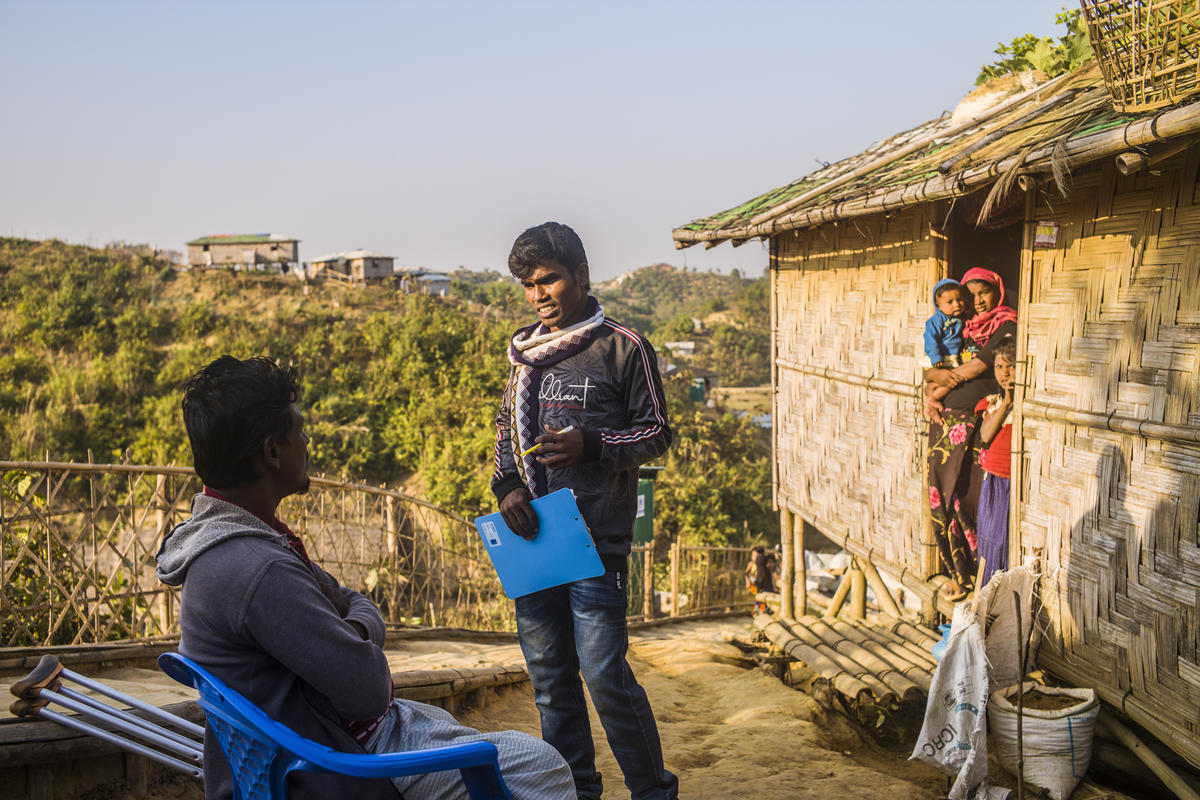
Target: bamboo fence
{"type": "Point", "coordinates": [79, 539]}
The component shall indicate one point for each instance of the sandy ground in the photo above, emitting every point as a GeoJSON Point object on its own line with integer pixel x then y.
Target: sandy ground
{"type": "Point", "coordinates": [731, 732]}
{"type": "Point", "coordinates": [728, 731]}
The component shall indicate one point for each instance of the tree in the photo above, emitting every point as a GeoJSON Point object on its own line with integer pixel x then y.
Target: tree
{"type": "Point", "coordinates": [1052, 56]}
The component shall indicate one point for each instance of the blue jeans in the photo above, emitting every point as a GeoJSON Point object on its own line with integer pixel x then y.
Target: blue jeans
{"type": "Point", "coordinates": [579, 629]}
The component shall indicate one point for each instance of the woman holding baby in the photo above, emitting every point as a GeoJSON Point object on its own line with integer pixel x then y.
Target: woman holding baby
{"type": "Point", "coordinates": [951, 398]}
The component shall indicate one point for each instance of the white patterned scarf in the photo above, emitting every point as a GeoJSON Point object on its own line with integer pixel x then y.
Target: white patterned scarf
{"type": "Point", "coordinates": [532, 349]}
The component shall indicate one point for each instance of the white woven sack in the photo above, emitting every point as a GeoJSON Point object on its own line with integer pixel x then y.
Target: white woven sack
{"type": "Point", "coordinates": [1002, 636]}
{"type": "Point", "coordinates": [953, 736]}
{"type": "Point", "coordinates": [1057, 744]}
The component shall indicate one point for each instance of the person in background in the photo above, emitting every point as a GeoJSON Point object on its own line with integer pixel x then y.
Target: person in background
{"type": "Point", "coordinates": [587, 392]}
{"type": "Point", "coordinates": [758, 576]}
{"type": "Point", "coordinates": [995, 432]}
{"type": "Point", "coordinates": [268, 621]}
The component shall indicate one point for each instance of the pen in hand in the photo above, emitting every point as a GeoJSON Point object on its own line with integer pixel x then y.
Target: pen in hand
{"type": "Point", "coordinates": [538, 446]}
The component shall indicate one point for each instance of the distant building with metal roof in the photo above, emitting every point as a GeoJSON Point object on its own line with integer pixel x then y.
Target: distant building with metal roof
{"type": "Point", "coordinates": [245, 251]}
{"type": "Point", "coordinates": [419, 279]}
{"type": "Point", "coordinates": [357, 265]}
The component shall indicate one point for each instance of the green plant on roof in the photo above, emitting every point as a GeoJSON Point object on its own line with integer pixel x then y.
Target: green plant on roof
{"type": "Point", "coordinates": [1052, 56]}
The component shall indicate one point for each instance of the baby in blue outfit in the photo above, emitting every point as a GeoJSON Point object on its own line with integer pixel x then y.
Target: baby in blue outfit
{"type": "Point", "coordinates": [943, 331]}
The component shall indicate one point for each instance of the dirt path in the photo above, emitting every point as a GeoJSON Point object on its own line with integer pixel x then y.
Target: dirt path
{"type": "Point", "coordinates": [730, 732]}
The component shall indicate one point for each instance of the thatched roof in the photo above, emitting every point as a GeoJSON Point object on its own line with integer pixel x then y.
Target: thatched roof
{"type": "Point", "coordinates": [1052, 128]}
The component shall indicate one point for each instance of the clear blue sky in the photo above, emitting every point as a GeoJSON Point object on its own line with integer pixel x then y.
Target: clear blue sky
{"type": "Point", "coordinates": [437, 131]}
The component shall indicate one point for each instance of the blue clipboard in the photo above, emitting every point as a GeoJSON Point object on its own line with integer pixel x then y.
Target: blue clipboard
{"type": "Point", "coordinates": [562, 551]}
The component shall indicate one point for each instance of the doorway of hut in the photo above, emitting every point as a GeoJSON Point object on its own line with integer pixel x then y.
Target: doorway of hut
{"type": "Point", "coordinates": [995, 243]}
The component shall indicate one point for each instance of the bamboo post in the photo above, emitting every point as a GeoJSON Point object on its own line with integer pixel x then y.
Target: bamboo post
{"type": "Point", "coordinates": [1021, 654]}
{"type": "Point", "coordinates": [160, 521]}
{"type": "Point", "coordinates": [389, 513]}
{"type": "Point", "coordinates": [883, 597]}
{"type": "Point", "coordinates": [772, 289]}
{"type": "Point", "coordinates": [942, 253]}
{"type": "Point", "coordinates": [1148, 757]}
{"type": "Point", "coordinates": [93, 531]}
{"type": "Point", "coordinates": [801, 580]}
{"type": "Point", "coordinates": [839, 597]}
{"type": "Point", "coordinates": [787, 590]}
{"type": "Point", "coordinates": [675, 555]}
{"type": "Point", "coordinates": [858, 591]}
{"type": "Point", "coordinates": [648, 582]}
{"type": "Point", "coordinates": [1131, 163]}
{"type": "Point", "coordinates": [1024, 374]}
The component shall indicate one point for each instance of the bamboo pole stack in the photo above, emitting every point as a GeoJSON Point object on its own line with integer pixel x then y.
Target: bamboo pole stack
{"type": "Point", "coordinates": [873, 669]}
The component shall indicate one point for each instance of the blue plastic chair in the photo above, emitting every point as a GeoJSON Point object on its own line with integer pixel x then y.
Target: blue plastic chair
{"type": "Point", "coordinates": [261, 752]}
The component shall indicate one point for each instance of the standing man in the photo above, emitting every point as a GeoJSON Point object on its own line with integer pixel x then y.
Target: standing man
{"type": "Point", "coordinates": [587, 390]}
{"type": "Point", "coordinates": [267, 620]}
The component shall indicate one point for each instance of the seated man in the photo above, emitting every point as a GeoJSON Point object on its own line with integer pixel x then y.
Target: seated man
{"type": "Point", "coordinates": [282, 631]}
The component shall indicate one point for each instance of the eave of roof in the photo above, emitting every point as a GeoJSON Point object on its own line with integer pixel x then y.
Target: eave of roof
{"type": "Point", "coordinates": [1068, 120]}
{"type": "Point", "coordinates": [244, 238]}
{"type": "Point", "coordinates": [348, 255]}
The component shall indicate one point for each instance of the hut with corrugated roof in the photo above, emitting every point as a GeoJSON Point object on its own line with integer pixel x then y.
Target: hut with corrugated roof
{"type": "Point", "coordinates": [245, 251]}
{"type": "Point", "coordinates": [1092, 217]}
{"type": "Point", "coordinates": [358, 266]}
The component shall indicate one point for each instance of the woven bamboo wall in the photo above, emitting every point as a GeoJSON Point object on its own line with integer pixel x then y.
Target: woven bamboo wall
{"type": "Point", "coordinates": [850, 305]}
{"type": "Point", "coordinates": [1110, 497]}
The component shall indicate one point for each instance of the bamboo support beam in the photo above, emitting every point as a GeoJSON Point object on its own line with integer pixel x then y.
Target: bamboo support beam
{"type": "Point", "coordinates": [648, 583]}
{"type": "Point", "coordinates": [161, 518]}
{"type": "Point", "coordinates": [801, 569]}
{"type": "Point", "coordinates": [858, 591]}
{"type": "Point", "coordinates": [1156, 765]}
{"type": "Point", "coordinates": [1131, 163]}
{"type": "Point", "coordinates": [787, 599]}
{"type": "Point", "coordinates": [867, 382]}
{"type": "Point", "coordinates": [839, 597]}
{"type": "Point", "coordinates": [883, 597]}
{"type": "Point", "coordinates": [676, 550]}
{"type": "Point", "coordinates": [1147, 429]}
{"type": "Point", "coordinates": [1020, 390]}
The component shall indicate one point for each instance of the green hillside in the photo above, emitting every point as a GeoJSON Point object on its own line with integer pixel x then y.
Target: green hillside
{"type": "Point", "coordinates": [399, 388]}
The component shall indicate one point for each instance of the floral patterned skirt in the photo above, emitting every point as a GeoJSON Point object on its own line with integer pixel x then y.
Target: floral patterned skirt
{"type": "Point", "coordinates": [955, 478]}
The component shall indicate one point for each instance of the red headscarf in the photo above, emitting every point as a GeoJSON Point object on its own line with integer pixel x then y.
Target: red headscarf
{"type": "Point", "coordinates": [981, 326]}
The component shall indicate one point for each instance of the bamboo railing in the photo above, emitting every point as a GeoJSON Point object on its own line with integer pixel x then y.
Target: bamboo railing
{"type": "Point", "coordinates": [79, 539]}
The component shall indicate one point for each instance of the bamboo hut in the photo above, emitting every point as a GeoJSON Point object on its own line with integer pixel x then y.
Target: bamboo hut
{"type": "Point", "coordinates": [1092, 217]}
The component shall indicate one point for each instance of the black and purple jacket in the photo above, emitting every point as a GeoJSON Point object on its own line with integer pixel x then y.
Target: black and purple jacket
{"type": "Point", "coordinates": [611, 391]}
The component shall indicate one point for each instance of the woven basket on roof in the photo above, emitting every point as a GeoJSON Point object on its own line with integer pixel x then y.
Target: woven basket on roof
{"type": "Point", "coordinates": [1149, 50]}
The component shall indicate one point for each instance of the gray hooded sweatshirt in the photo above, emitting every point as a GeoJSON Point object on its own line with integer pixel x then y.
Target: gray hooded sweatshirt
{"type": "Point", "coordinates": [277, 631]}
